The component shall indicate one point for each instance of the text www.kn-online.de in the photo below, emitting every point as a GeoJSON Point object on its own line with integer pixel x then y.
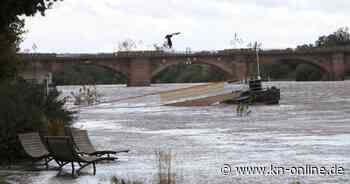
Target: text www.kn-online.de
{"type": "Point", "coordinates": [272, 170]}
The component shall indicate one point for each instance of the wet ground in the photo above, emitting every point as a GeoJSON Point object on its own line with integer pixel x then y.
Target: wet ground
{"type": "Point", "coordinates": [310, 126]}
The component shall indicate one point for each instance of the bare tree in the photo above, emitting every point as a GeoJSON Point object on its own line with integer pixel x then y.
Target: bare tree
{"type": "Point", "coordinates": [156, 47]}
{"type": "Point", "coordinates": [237, 41]}
{"type": "Point", "coordinates": [126, 45]}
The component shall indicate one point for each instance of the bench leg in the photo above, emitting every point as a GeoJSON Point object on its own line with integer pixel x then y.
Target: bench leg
{"type": "Point", "coordinates": [46, 164]}
{"type": "Point", "coordinates": [83, 166]}
{"type": "Point", "coordinates": [73, 169]}
{"type": "Point", "coordinates": [94, 166]}
{"type": "Point", "coordinates": [61, 166]}
{"type": "Point", "coordinates": [47, 161]}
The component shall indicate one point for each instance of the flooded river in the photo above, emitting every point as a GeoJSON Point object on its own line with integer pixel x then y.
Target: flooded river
{"type": "Point", "coordinates": [311, 126]}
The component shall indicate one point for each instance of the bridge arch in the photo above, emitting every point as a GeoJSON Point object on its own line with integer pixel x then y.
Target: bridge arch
{"type": "Point", "coordinates": [228, 72]}
{"type": "Point", "coordinates": [321, 64]}
{"type": "Point", "coordinates": [109, 66]}
{"type": "Point", "coordinates": [123, 73]}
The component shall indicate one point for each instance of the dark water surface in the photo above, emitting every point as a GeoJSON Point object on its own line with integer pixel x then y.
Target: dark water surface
{"type": "Point", "coordinates": [310, 126]}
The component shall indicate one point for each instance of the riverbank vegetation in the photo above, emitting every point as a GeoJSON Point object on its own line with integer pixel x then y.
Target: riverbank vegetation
{"type": "Point", "coordinates": [27, 109]}
{"type": "Point", "coordinates": [24, 106]}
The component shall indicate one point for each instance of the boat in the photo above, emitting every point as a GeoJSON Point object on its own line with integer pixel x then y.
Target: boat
{"type": "Point", "coordinates": [256, 94]}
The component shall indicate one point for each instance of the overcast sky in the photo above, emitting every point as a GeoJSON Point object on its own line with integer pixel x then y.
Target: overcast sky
{"type": "Point", "coordinates": [74, 26]}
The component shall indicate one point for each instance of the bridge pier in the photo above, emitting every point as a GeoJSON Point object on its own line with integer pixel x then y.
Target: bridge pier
{"type": "Point", "coordinates": [338, 63]}
{"type": "Point", "coordinates": [241, 71]}
{"type": "Point", "coordinates": [139, 73]}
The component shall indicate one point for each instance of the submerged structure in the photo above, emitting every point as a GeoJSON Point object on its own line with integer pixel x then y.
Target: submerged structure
{"type": "Point", "coordinates": [199, 95]}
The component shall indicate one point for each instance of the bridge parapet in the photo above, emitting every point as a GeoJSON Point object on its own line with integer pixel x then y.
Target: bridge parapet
{"type": "Point", "coordinates": [314, 50]}
{"type": "Point", "coordinates": [69, 57]}
{"type": "Point", "coordinates": [136, 54]}
{"type": "Point", "coordinates": [157, 54]}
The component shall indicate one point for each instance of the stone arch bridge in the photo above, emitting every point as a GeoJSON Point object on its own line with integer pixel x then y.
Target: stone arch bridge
{"type": "Point", "coordinates": [141, 66]}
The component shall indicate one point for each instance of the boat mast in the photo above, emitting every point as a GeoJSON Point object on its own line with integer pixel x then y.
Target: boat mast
{"type": "Point", "coordinates": [257, 47]}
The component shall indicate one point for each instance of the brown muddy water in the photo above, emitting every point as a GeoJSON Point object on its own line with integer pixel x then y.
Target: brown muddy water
{"type": "Point", "coordinates": [310, 126]}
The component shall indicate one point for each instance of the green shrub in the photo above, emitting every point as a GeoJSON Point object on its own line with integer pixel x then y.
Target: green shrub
{"type": "Point", "coordinates": [24, 108]}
